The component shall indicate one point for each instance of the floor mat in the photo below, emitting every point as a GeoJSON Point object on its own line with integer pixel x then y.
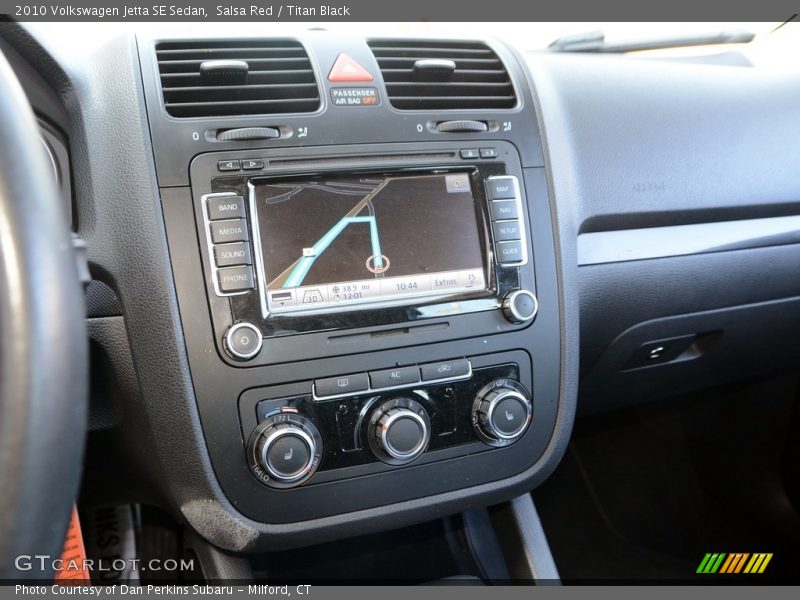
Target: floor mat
{"type": "Point", "coordinates": [645, 492]}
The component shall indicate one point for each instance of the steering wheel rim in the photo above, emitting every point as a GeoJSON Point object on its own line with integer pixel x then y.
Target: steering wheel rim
{"type": "Point", "coordinates": [43, 348]}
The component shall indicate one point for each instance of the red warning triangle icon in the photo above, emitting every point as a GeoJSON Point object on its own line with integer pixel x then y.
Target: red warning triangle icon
{"type": "Point", "coordinates": [347, 70]}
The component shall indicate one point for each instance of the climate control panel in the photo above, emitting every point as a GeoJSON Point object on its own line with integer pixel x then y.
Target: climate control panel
{"type": "Point", "coordinates": [308, 438]}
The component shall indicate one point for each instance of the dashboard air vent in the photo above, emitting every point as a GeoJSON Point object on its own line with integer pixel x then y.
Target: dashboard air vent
{"type": "Point", "coordinates": [443, 75]}
{"type": "Point", "coordinates": [236, 77]}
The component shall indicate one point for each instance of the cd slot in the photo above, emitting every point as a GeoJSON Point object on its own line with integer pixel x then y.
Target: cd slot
{"type": "Point", "coordinates": [361, 159]}
{"type": "Point", "coordinates": [366, 337]}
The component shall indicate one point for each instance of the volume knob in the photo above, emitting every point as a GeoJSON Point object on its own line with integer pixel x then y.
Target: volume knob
{"type": "Point", "coordinates": [520, 306]}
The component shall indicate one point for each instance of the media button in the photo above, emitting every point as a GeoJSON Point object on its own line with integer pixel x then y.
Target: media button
{"type": "Point", "coordinates": [449, 369]}
{"type": "Point", "coordinates": [506, 230]}
{"type": "Point", "coordinates": [488, 153]}
{"type": "Point", "coordinates": [344, 384]}
{"type": "Point", "coordinates": [234, 230]}
{"type": "Point", "coordinates": [230, 255]}
{"type": "Point", "coordinates": [394, 377]}
{"type": "Point", "coordinates": [235, 279]}
{"type": "Point", "coordinates": [501, 188]}
{"type": "Point", "coordinates": [225, 207]}
{"type": "Point", "coordinates": [504, 209]}
{"type": "Point", "coordinates": [509, 252]}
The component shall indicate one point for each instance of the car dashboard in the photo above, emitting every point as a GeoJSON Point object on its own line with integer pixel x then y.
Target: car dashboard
{"type": "Point", "coordinates": [347, 284]}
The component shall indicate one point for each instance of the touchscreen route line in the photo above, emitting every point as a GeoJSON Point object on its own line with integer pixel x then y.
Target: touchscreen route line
{"type": "Point", "coordinates": [282, 279]}
{"type": "Point", "coordinates": [302, 267]}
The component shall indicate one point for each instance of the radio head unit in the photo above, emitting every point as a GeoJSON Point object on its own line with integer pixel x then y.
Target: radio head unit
{"type": "Point", "coordinates": [362, 241]}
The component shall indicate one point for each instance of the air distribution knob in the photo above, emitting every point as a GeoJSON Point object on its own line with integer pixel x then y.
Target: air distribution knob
{"type": "Point", "coordinates": [285, 449]}
{"type": "Point", "coordinates": [399, 431]}
{"type": "Point", "coordinates": [502, 412]}
{"type": "Point", "coordinates": [520, 306]}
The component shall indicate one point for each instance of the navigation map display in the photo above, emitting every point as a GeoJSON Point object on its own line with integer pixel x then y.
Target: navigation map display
{"type": "Point", "coordinates": [341, 241]}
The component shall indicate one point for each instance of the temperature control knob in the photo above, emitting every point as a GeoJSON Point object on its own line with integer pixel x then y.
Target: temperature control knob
{"type": "Point", "coordinates": [399, 431]}
{"type": "Point", "coordinates": [502, 412]}
{"type": "Point", "coordinates": [285, 449]}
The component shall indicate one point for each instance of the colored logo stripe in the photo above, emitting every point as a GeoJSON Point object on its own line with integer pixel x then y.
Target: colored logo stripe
{"type": "Point", "coordinates": [734, 563]}
{"type": "Point", "coordinates": [710, 563]}
{"type": "Point", "coordinates": [758, 563]}
{"type": "Point", "coordinates": [720, 562]}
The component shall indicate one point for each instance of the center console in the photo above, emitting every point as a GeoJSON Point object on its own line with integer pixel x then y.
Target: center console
{"type": "Point", "coordinates": [371, 317]}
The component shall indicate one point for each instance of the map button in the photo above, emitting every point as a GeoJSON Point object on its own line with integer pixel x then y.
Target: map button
{"type": "Point", "coordinates": [501, 188]}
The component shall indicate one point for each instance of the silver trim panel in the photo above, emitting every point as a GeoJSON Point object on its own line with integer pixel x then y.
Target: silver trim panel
{"type": "Point", "coordinates": [681, 240]}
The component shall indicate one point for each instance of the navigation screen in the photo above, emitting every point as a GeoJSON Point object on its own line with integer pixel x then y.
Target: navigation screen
{"type": "Point", "coordinates": [340, 241]}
